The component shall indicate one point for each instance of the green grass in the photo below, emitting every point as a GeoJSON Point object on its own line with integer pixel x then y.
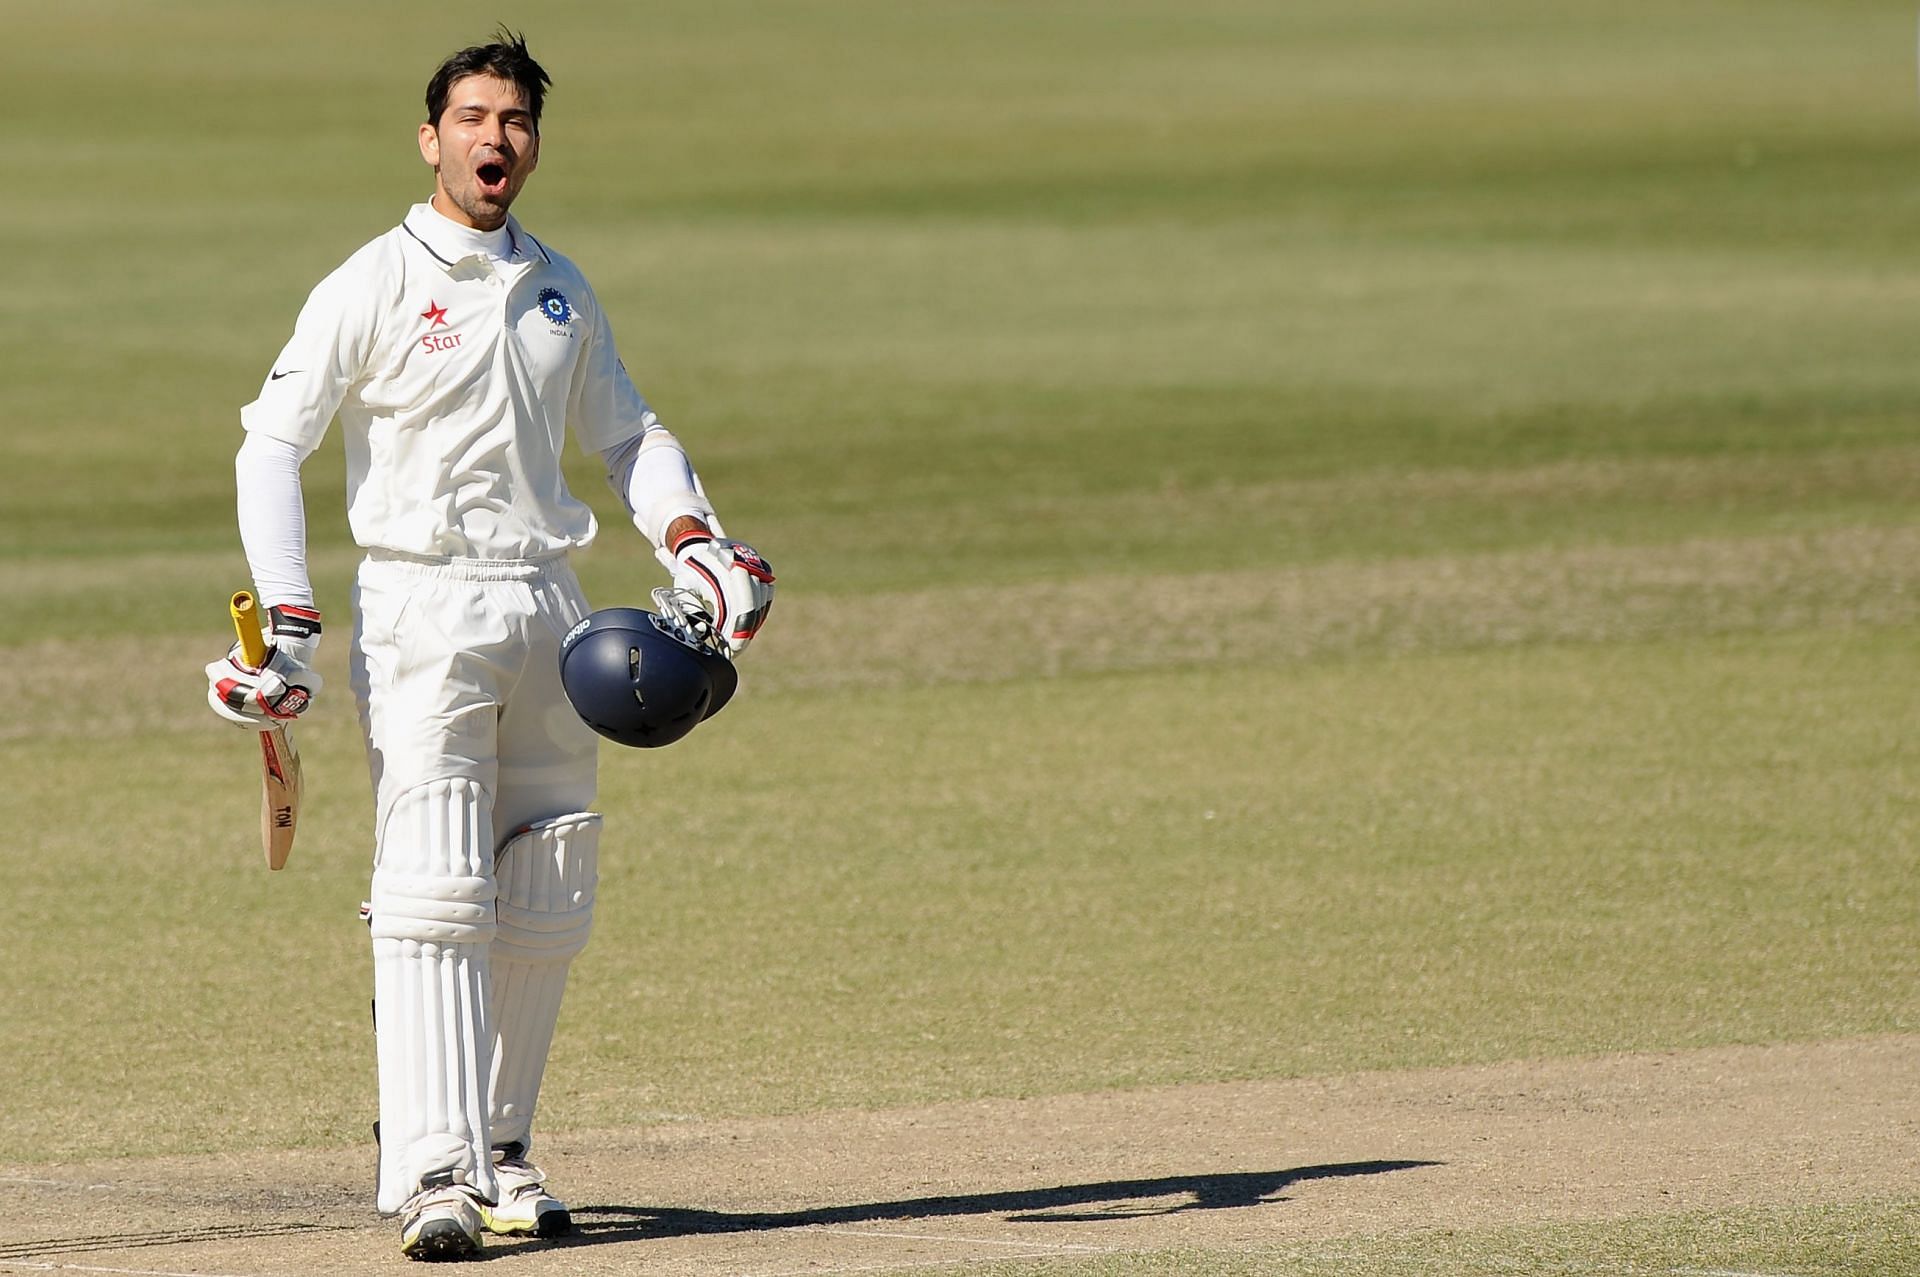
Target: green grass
{"type": "Point", "coordinates": [1131, 252]}
{"type": "Point", "coordinates": [1152, 878]}
{"type": "Point", "coordinates": [1313, 537]}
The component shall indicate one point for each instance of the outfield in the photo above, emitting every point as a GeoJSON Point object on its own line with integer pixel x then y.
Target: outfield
{"type": "Point", "coordinates": [1351, 551]}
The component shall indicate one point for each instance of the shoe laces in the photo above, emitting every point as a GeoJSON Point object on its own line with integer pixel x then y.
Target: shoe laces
{"type": "Point", "coordinates": [435, 1190]}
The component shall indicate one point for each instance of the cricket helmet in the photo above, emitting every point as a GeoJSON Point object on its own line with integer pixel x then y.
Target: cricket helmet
{"type": "Point", "coordinates": [643, 678]}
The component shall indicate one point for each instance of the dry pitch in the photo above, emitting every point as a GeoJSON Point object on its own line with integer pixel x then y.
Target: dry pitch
{"type": "Point", "coordinates": [1222, 1168]}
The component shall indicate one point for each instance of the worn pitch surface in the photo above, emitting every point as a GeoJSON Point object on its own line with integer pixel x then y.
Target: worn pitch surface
{"type": "Point", "coordinates": [1231, 1167]}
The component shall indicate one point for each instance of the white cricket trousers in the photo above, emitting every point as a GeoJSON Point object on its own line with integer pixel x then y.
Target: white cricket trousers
{"type": "Point", "coordinates": [456, 671]}
{"type": "Point", "coordinates": [470, 738]}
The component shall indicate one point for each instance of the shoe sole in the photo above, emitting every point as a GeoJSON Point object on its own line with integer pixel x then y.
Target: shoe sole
{"type": "Point", "coordinates": [441, 1240]}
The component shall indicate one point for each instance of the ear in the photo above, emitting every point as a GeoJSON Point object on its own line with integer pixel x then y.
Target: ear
{"type": "Point", "coordinates": [430, 145]}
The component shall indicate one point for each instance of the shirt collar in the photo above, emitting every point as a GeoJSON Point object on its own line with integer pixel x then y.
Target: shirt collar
{"type": "Point", "coordinates": [451, 243]}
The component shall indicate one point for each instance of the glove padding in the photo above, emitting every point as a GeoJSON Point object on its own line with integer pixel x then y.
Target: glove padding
{"type": "Point", "coordinates": [728, 576]}
{"type": "Point", "coordinates": [282, 689]}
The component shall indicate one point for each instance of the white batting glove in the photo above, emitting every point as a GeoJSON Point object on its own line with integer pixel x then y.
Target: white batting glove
{"type": "Point", "coordinates": [282, 689]}
{"type": "Point", "coordinates": [730, 577]}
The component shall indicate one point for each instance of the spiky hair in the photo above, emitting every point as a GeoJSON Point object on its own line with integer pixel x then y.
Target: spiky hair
{"type": "Point", "coordinates": [506, 57]}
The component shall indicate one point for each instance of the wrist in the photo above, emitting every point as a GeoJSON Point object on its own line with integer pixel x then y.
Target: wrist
{"type": "Point", "coordinates": [295, 629]}
{"type": "Point", "coordinates": [687, 530]}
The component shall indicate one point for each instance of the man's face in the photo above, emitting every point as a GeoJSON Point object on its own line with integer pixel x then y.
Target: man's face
{"type": "Point", "coordinates": [483, 149]}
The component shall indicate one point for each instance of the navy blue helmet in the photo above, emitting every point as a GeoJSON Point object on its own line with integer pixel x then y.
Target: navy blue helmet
{"type": "Point", "coordinates": [635, 680]}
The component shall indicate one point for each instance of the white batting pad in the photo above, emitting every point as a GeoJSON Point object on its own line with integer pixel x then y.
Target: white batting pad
{"type": "Point", "coordinates": [547, 874]}
{"type": "Point", "coordinates": [432, 922]}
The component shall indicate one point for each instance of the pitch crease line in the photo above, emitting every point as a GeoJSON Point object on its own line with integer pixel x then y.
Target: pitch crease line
{"type": "Point", "coordinates": [101, 1186]}
{"type": "Point", "coordinates": [24, 1266]}
{"type": "Point", "coordinates": [910, 1266]}
{"type": "Point", "coordinates": [858, 1268]}
{"type": "Point", "coordinates": [1062, 1247]}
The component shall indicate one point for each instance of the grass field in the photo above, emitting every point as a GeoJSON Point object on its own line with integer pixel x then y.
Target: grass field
{"type": "Point", "coordinates": [1313, 538]}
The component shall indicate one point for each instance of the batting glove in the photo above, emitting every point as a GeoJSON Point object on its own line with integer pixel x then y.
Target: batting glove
{"type": "Point", "coordinates": [729, 577]}
{"type": "Point", "coordinates": [282, 689]}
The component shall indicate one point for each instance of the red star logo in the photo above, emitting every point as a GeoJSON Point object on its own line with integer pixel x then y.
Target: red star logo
{"type": "Point", "coordinates": [437, 313]}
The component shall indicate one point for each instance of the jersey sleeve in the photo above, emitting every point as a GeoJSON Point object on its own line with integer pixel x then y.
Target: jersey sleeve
{"type": "Point", "coordinates": [656, 482]}
{"type": "Point", "coordinates": [273, 519]}
{"type": "Point", "coordinates": [604, 408]}
{"type": "Point", "coordinates": [331, 344]}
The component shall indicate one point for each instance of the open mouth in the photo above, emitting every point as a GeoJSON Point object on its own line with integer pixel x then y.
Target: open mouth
{"type": "Point", "coordinates": [492, 177]}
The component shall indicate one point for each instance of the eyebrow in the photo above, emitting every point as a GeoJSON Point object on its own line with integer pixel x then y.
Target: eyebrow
{"type": "Point", "coordinates": [482, 109]}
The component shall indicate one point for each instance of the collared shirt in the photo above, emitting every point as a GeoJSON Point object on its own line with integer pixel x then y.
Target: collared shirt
{"type": "Point", "coordinates": [456, 360]}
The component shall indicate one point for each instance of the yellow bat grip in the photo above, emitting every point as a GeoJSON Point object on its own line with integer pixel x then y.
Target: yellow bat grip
{"type": "Point", "coordinates": [246, 625]}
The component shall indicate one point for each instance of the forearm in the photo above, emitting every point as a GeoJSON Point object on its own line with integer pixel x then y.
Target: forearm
{"type": "Point", "coordinates": [273, 519]}
{"type": "Point", "coordinates": [657, 484]}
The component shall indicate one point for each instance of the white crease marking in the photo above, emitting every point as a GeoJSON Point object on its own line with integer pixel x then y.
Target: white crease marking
{"type": "Point", "coordinates": [1047, 1247]}
{"type": "Point", "coordinates": [25, 1266]}
{"type": "Point", "coordinates": [895, 1267]}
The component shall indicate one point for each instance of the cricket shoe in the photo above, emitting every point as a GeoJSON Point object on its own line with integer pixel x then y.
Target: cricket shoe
{"type": "Point", "coordinates": [525, 1205]}
{"type": "Point", "coordinates": [442, 1221]}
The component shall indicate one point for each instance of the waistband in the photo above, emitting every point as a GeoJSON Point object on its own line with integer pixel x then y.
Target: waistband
{"type": "Point", "coordinates": [451, 569]}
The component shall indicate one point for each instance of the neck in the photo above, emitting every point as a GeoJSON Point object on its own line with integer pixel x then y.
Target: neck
{"type": "Point", "coordinates": [444, 206]}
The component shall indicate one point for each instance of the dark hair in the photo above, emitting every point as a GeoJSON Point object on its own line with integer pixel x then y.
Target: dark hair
{"type": "Point", "coordinates": [507, 58]}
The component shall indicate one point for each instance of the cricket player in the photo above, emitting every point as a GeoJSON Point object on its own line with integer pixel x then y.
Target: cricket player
{"type": "Point", "coordinates": [457, 351]}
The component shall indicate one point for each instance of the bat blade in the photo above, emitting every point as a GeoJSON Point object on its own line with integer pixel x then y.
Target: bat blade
{"type": "Point", "coordinates": [280, 779]}
{"type": "Point", "coordinates": [280, 786]}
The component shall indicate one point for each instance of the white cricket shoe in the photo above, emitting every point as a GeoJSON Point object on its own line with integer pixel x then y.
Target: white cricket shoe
{"type": "Point", "coordinates": [525, 1205]}
{"type": "Point", "coordinates": [442, 1221]}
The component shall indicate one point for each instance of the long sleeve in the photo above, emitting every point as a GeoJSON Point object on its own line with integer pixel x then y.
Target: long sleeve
{"type": "Point", "coordinates": [273, 519]}
{"type": "Point", "coordinates": [656, 481]}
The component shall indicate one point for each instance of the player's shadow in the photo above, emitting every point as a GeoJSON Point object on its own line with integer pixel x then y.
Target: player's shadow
{"type": "Point", "coordinates": [1067, 1203]}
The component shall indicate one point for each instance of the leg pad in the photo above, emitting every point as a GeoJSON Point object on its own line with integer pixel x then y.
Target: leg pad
{"type": "Point", "coordinates": [547, 873]}
{"type": "Point", "coordinates": [433, 919]}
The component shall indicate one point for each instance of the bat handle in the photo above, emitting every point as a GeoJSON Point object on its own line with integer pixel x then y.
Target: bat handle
{"type": "Point", "coordinates": [246, 626]}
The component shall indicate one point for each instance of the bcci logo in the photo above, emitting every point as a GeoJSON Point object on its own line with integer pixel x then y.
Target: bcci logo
{"type": "Point", "coordinates": [555, 306]}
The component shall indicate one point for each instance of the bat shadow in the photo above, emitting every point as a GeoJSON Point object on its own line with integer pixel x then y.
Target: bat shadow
{"type": "Point", "coordinates": [1065, 1203]}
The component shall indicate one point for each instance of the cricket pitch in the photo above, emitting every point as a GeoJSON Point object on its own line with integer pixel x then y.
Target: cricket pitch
{"type": "Point", "coordinates": [1220, 1170]}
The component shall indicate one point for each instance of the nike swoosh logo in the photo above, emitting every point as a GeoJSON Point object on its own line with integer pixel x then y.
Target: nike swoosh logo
{"type": "Point", "coordinates": [288, 373]}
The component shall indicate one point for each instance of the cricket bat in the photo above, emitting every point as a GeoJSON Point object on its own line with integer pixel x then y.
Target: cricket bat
{"type": "Point", "coordinates": [279, 760]}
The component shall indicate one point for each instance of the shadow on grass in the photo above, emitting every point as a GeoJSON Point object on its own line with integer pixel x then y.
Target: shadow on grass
{"type": "Point", "coordinates": [1117, 1199]}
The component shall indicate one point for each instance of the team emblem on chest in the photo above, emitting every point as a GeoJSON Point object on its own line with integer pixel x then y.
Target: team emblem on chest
{"type": "Point", "coordinates": [555, 306]}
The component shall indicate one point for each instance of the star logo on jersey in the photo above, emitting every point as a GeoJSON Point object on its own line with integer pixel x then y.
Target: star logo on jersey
{"type": "Point", "coordinates": [436, 316]}
{"type": "Point", "coordinates": [555, 306]}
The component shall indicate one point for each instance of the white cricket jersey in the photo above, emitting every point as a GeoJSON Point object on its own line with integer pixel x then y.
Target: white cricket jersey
{"type": "Point", "coordinates": [456, 360]}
